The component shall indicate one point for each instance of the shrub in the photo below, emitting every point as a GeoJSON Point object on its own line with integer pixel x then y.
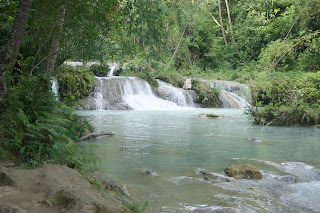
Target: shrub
{"type": "Point", "coordinates": [174, 78]}
{"type": "Point", "coordinates": [286, 115]}
{"type": "Point", "coordinates": [74, 84]}
{"type": "Point", "coordinates": [37, 128]}
{"type": "Point", "coordinates": [209, 97]}
{"type": "Point", "coordinates": [100, 70]}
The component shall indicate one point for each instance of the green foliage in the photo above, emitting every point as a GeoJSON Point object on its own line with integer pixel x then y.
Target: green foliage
{"type": "Point", "coordinates": [37, 128]}
{"type": "Point", "coordinates": [137, 208]}
{"type": "Point", "coordinates": [31, 121]}
{"type": "Point", "coordinates": [174, 78]}
{"type": "Point", "coordinates": [3, 153]}
{"type": "Point", "coordinates": [73, 83]}
{"type": "Point", "coordinates": [286, 115]}
{"type": "Point", "coordinates": [142, 69]}
{"type": "Point", "coordinates": [99, 70]}
{"type": "Point", "coordinates": [77, 156]}
{"type": "Point", "coordinates": [209, 97]}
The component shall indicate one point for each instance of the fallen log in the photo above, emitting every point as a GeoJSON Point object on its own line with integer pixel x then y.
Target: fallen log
{"type": "Point", "coordinates": [94, 135]}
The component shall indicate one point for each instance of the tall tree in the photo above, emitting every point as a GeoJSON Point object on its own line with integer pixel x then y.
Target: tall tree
{"type": "Point", "coordinates": [8, 55]}
{"type": "Point", "coordinates": [221, 24]}
{"type": "Point", "coordinates": [54, 48]}
{"type": "Point", "coordinates": [231, 30]}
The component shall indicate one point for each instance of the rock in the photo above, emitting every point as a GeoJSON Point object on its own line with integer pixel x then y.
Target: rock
{"type": "Point", "coordinates": [206, 115]}
{"type": "Point", "coordinates": [56, 188]}
{"type": "Point", "coordinates": [10, 209]}
{"type": "Point", "coordinates": [242, 171]}
{"type": "Point", "coordinates": [9, 165]}
{"type": "Point", "coordinates": [214, 176]}
{"type": "Point", "coordinates": [6, 178]}
{"type": "Point", "coordinates": [219, 210]}
{"type": "Point", "coordinates": [287, 179]}
{"type": "Point", "coordinates": [109, 182]}
{"type": "Point", "coordinates": [254, 139]}
{"type": "Point", "coordinates": [150, 172]}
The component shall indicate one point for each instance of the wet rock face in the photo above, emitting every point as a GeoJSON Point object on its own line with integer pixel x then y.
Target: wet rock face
{"type": "Point", "coordinates": [243, 171]}
{"type": "Point", "coordinates": [182, 97]}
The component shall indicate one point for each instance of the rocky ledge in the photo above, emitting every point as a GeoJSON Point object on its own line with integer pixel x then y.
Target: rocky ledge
{"type": "Point", "coordinates": [56, 188]}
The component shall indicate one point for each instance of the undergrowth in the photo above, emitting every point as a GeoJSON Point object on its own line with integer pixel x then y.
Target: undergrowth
{"type": "Point", "coordinates": [37, 128]}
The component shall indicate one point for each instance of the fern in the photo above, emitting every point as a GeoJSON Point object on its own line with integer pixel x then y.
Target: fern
{"type": "Point", "coordinates": [38, 126]}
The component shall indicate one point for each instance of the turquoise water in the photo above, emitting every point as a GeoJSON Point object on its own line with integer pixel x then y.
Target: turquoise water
{"type": "Point", "coordinates": [174, 144]}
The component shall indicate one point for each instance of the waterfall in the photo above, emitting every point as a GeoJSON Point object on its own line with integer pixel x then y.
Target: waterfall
{"type": "Point", "coordinates": [113, 67]}
{"type": "Point", "coordinates": [54, 86]}
{"type": "Point", "coordinates": [179, 96]}
{"type": "Point", "coordinates": [233, 94]}
{"type": "Point", "coordinates": [121, 93]}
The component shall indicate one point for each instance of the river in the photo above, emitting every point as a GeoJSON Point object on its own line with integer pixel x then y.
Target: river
{"type": "Point", "coordinates": [177, 144]}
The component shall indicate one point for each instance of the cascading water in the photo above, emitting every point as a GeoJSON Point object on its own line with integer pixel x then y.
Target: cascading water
{"type": "Point", "coordinates": [113, 67]}
{"type": "Point", "coordinates": [121, 93]}
{"type": "Point", "coordinates": [233, 94]}
{"type": "Point", "coordinates": [54, 86]}
{"type": "Point", "coordinates": [179, 96]}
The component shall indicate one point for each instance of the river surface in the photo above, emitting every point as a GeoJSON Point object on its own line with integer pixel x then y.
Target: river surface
{"type": "Point", "coordinates": [178, 144]}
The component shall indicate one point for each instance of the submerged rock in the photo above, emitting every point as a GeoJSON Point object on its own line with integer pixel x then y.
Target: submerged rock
{"type": "Point", "coordinates": [206, 115]}
{"type": "Point", "coordinates": [214, 176]}
{"type": "Point", "coordinates": [243, 171]}
{"type": "Point", "coordinates": [150, 172]}
{"type": "Point", "coordinates": [254, 139]}
{"type": "Point", "coordinates": [287, 179]}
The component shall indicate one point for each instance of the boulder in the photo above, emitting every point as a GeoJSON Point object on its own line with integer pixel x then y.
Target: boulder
{"type": "Point", "coordinates": [243, 171]}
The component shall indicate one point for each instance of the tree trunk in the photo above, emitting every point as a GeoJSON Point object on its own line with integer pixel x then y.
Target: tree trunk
{"type": "Point", "coordinates": [221, 24]}
{"type": "Point", "coordinates": [9, 55]}
{"type": "Point", "coordinates": [54, 48]}
{"type": "Point", "coordinates": [229, 17]}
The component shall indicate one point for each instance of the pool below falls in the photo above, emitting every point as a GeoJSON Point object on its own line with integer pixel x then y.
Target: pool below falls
{"type": "Point", "coordinates": [178, 145]}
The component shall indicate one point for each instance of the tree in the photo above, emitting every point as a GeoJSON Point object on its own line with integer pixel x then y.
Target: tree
{"type": "Point", "coordinates": [8, 55]}
{"type": "Point", "coordinates": [55, 45]}
{"type": "Point", "coordinates": [221, 24]}
{"type": "Point", "coordinates": [230, 24]}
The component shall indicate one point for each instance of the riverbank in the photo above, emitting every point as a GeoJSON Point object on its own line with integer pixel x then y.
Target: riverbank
{"type": "Point", "coordinates": [56, 188]}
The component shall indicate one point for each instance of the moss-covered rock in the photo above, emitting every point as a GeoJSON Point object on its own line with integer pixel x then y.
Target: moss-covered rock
{"type": "Point", "coordinates": [243, 171]}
